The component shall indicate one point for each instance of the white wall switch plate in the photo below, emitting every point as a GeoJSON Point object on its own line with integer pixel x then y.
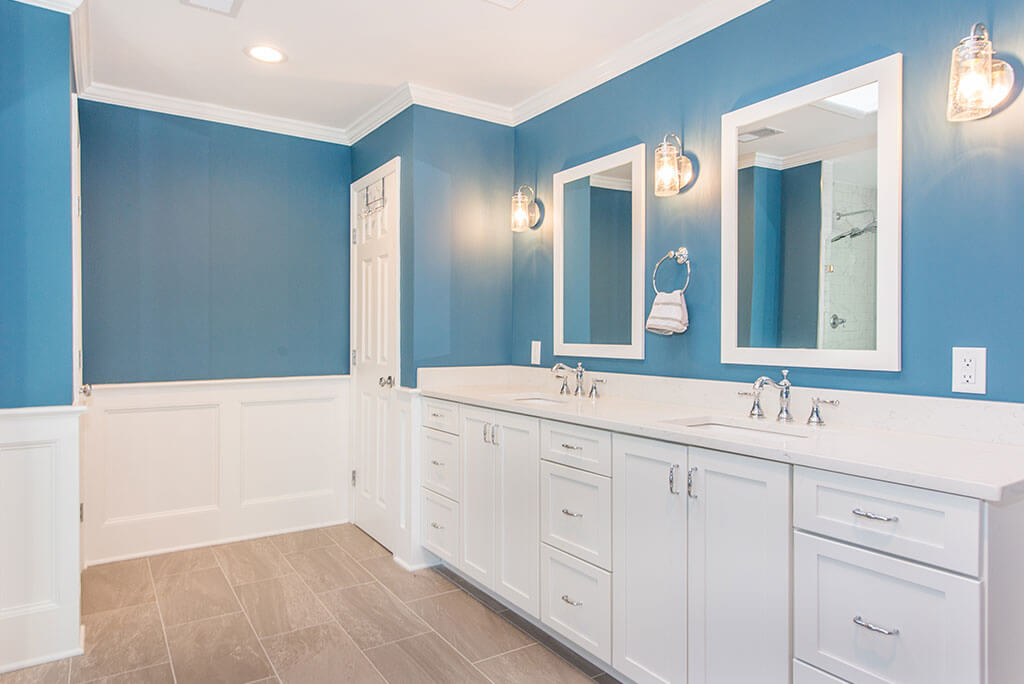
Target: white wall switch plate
{"type": "Point", "coordinates": [535, 352]}
{"type": "Point", "coordinates": [969, 369]}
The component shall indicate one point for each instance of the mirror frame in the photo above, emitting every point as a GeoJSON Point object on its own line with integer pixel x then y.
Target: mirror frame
{"type": "Point", "coordinates": [888, 73]}
{"type": "Point", "coordinates": [636, 156]}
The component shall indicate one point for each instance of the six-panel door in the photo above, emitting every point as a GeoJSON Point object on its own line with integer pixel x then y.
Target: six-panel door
{"type": "Point", "coordinates": [649, 559]}
{"type": "Point", "coordinates": [739, 562]}
{"type": "Point", "coordinates": [517, 503]}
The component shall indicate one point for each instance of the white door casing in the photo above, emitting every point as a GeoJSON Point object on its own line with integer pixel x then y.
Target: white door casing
{"type": "Point", "coordinates": [375, 331]}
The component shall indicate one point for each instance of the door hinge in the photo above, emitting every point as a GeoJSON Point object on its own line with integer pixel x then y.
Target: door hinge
{"type": "Point", "coordinates": [354, 236]}
{"type": "Point", "coordinates": [79, 359]}
{"type": "Point", "coordinates": [353, 478]}
{"type": "Point", "coordinates": [353, 357]}
{"type": "Point", "coordinates": [81, 512]}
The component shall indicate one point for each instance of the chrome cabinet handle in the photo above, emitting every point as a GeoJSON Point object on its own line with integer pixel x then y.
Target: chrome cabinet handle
{"type": "Point", "coordinates": [859, 621]}
{"type": "Point", "coordinates": [571, 447]}
{"type": "Point", "coordinates": [689, 482]}
{"type": "Point", "coordinates": [565, 597]}
{"type": "Point", "coordinates": [437, 463]}
{"type": "Point", "coordinates": [494, 435]}
{"type": "Point", "coordinates": [487, 427]}
{"type": "Point", "coordinates": [436, 415]}
{"type": "Point", "coordinates": [672, 479]}
{"type": "Point", "coordinates": [569, 513]}
{"type": "Point", "coordinates": [436, 526]}
{"type": "Point", "coordinates": [875, 516]}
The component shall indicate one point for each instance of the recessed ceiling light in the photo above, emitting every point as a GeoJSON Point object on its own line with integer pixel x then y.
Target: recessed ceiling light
{"type": "Point", "coordinates": [265, 53]}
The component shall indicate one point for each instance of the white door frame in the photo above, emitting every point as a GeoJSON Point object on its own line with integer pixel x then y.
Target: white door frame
{"type": "Point", "coordinates": [375, 176]}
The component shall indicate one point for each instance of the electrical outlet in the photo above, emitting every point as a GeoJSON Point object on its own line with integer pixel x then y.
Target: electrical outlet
{"type": "Point", "coordinates": [969, 370]}
{"type": "Point", "coordinates": [535, 352]}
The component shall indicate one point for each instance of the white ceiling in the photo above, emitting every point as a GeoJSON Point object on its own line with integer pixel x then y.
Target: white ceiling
{"type": "Point", "coordinates": [350, 65]}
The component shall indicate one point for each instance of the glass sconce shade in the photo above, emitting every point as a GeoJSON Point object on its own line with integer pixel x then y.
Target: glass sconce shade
{"type": "Point", "coordinates": [672, 170]}
{"type": "Point", "coordinates": [977, 82]}
{"type": "Point", "coordinates": [525, 212]}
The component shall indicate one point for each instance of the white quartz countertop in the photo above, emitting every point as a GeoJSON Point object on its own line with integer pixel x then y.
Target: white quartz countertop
{"type": "Point", "coordinates": [972, 468]}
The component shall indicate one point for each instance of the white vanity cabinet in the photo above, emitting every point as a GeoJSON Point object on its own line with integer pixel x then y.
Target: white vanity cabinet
{"type": "Point", "coordinates": [649, 570]}
{"type": "Point", "coordinates": [739, 569]}
{"type": "Point", "coordinates": [500, 504]}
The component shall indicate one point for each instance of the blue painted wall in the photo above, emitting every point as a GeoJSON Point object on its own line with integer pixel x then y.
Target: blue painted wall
{"type": "Point", "coordinates": [962, 183]}
{"type": "Point", "coordinates": [456, 246]}
{"type": "Point", "coordinates": [210, 251]}
{"type": "Point", "coordinates": [35, 207]}
{"type": "Point", "coordinates": [801, 256]}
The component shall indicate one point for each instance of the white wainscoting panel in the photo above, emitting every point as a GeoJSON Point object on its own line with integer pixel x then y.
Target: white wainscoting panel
{"type": "Point", "coordinates": [175, 465]}
{"type": "Point", "coordinates": [39, 580]}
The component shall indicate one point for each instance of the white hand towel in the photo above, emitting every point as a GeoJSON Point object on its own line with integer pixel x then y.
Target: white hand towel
{"type": "Point", "coordinates": [668, 313]}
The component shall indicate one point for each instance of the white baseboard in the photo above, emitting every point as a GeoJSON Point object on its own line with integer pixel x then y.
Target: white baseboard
{"type": "Point", "coordinates": [178, 465]}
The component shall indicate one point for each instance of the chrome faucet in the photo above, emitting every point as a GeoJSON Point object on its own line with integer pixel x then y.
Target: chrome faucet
{"type": "Point", "coordinates": [578, 392]}
{"type": "Point", "coordinates": [561, 372]}
{"type": "Point", "coordinates": [785, 387]}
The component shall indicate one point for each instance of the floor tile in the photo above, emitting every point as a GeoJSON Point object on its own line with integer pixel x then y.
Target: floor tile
{"type": "Point", "coordinates": [300, 541]}
{"type": "Point", "coordinates": [158, 674]}
{"type": "Point", "coordinates": [372, 616]}
{"type": "Point", "coordinates": [221, 649]}
{"type": "Point", "coordinates": [328, 568]}
{"type": "Point", "coordinates": [422, 659]}
{"type": "Point", "coordinates": [251, 561]}
{"type": "Point", "coordinates": [182, 561]}
{"type": "Point", "coordinates": [472, 629]}
{"type": "Point", "coordinates": [47, 673]}
{"type": "Point", "coordinates": [319, 654]}
{"type": "Point", "coordinates": [553, 644]}
{"type": "Point", "coordinates": [406, 585]}
{"type": "Point", "coordinates": [118, 641]}
{"type": "Point", "coordinates": [281, 605]}
{"type": "Point", "coordinates": [196, 595]}
{"type": "Point", "coordinates": [534, 664]}
{"type": "Point", "coordinates": [356, 543]}
{"type": "Point", "coordinates": [116, 585]}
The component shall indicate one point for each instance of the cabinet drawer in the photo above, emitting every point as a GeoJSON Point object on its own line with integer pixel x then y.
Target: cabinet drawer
{"type": "Point", "coordinates": [931, 527]}
{"type": "Point", "coordinates": [576, 446]}
{"type": "Point", "coordinates": [576, 601]}
{"type": "Point", "coordinates": [439, 532]}
{"type": "Point", "coordinates": [805, 674]}
{"type": "Point", "coordinates": [439, 462]}
{"type": "Point", "coordinates": [846, 599]}
{"type": "Point", "coordinates": [576, 513]}
{"type": "Point", "coordinates": [441, 415]}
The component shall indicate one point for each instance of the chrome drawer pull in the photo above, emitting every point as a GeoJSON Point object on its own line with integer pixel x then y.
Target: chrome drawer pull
{"type": "Point", "coordinates": [571, 447]}
{"type": "Point", "coordinates": [859, 621]}
{"type": "Point", "coordinates": [436, 526]}
{"type": "Point", "coordinates": [875, 516]}
{"type": "Point", "coordinates": [437, 463]}
{"type": "Point", "coordinates": [436, 415]}
{"type": "Point", "coordinates": [565, 597]}
{"type": "Point", "coordinates": [569, 513]}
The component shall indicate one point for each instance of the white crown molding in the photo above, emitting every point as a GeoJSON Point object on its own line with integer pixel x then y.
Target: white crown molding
{"type": "Point", "coordinates": [64, 6]}
{"type": "Point", "coordinates": [101, 92]}
{"type": "Point", "coordinates": [708, 16]}
{"type": "Point", "coordinates": [610, 182]}
{"type": "Point", "coordinates": [460, 104]}
{"type": "Point", "coordinates": [391, 106]}
{"type": "Point", "coordinates": [81, 48]}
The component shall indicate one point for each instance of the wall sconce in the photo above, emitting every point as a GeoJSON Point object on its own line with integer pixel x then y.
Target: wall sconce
{"type": "Point", "coordinates": [672, 170]}
{"type": "Point", "coordinates": [977, 82]}
{"type": "Point", "coordinates": [525, 212]}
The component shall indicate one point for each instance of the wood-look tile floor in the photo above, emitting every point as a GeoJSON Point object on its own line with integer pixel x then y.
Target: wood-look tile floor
{"type": "Point", "coordinates": [325, 605]}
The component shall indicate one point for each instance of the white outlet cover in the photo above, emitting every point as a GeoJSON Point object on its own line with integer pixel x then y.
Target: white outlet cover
{"type": "Point", "coordinates": [535, 352]}
{"type": "Point", "coordinates": [968, 361]}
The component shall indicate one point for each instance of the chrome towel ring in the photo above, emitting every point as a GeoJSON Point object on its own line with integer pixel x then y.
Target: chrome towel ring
{"type": "Point", "coordinates": [682, 256]}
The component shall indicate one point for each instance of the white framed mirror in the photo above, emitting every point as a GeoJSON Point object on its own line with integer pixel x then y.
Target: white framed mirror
{"type": "Point", "coordinates": [599, 225]}
{"type": "Point", "coordinates": [811, 222]}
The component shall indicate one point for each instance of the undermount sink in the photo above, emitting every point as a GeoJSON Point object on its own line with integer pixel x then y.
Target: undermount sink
{"type": "Point", "coordinates": [742, 427]}
{"type": "Point", "coordinates": [537, 399]}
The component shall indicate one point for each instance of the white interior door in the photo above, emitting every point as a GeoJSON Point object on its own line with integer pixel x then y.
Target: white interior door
{"type": "Point", "coordinates": [375, 351]}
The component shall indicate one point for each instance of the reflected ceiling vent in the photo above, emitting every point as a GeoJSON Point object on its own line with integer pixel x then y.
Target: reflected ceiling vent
{"type": "Point", "coordinates": [507, 4]}
{"type": "Point", "coordinates": [226, 7]}
{"type": "Point", "coordinates": [751, 136]}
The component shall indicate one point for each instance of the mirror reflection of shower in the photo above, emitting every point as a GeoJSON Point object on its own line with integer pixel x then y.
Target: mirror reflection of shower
{"type": "Point", "coordinates": [849, 251]}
